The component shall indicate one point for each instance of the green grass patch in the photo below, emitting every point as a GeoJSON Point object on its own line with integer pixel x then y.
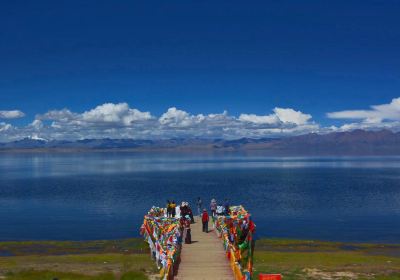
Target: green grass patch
{"type": "Point", "coordinates": [127, 262]}
{"type": "Point", "coordinates": [86, 266]}
{"type": "Point", "coordinates": [300, 259]}
{"type": "Point", "coordinates": [134, 275]}
{"type": "Point", "coordinates": [51, 275]}
{"type": "Point", "coordinates": [25, 248]}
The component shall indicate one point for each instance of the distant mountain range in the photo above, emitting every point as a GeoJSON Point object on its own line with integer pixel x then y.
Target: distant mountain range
{"type": "Point", "coordinates": [357, 142]}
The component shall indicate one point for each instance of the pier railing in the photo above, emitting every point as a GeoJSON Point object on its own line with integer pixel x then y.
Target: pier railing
{"type": "Point", "coordinates": [236, 232]}
{"type": "Point", "coordinates": [164, 236]}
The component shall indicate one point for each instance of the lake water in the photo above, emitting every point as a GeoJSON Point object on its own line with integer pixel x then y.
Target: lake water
{"type": "Point", "coordinates": [104, 195]}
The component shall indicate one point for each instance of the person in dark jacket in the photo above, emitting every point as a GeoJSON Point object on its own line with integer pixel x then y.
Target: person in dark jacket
{"type": "Point", "coordinates": [187, 231]}
{"type": "Point", "coordinates": [204, 219]}
{"type": "Point", "coordinates": [173, 209]}
{"type": "Point", "coordinates": [227, 207]}
{"type": "Point", "coordinates": [190, 212]}
{"type": "Point", "coordinates": [168, 208]}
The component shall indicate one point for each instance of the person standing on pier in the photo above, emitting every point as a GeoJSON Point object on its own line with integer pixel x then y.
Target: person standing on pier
{"type": "Point", "coordinates": [186, 229]}
{"type": "Point", "coordinates": [227, 207]}
{"type": "Point", "coordinates": [205, 219]}
{"type": "Point", "coordinates": [173, 209]}
{"type": "Point", "coordinates": [168, 208]}
{"type": "Point", "coordinates": [199, 206]}
{"type": "Point", "coordinates": [213, 207]}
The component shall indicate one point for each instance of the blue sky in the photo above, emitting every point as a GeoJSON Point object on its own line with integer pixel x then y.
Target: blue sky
{"type": "Point", "coordinates": [201, 57]}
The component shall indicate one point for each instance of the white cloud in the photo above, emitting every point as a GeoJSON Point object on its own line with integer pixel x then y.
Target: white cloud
{"type": "Point", "coordinates": [291, 116]}
{"type": "Point", "coordinates": [377, 113]}
{"type": "Point", "coordinates": [13, 114]}
{"type": "Point", "coordinates": [121, 121]}
{"type": "Point", "coordinates": [391, 125]}
{"type": "Point", "coordinates": [280, 115]}
{"type": "Point", "coordinates": [173, 115]}
{"type": "Point", "coordinates": [385, 116]}
{"type": "Point", "coordinates": [115, 113]}
{"type": "Point", "coordinates": [5, 126]}
{"type": "Point", "coordinates": [36, 124]}
{"type": "Point", "coordinates": [63, 115]}
{"type": "Point", "coordinates": [178, 118]}
{"type": "Point", "coordinates": [256, 119]}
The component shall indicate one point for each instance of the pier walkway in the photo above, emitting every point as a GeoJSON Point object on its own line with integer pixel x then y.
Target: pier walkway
{"type": "Point", "coordinates": [205, 258]}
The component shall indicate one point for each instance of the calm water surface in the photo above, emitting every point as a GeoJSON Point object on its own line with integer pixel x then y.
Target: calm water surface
{"type": "Point", "coordinates": [104, 195]}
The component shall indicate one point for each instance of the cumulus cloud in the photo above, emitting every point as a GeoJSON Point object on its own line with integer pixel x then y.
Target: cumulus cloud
{"type": "Point", "coordinates": [36, 124]}
{"type": "Point", "coordinates": [121, 121]}
{"type": "Point", "coordinates": [119, 114]}
{"type": "Point", "coordinates": [377, 113]}
{"type": "Point", "coordinates": [179, 123]}
{"type": "Point", "coordinates": [63, 115]}
{"type": "Point", "coordinates": [178, 118]}
{"type": "Point", "coordinates": [280, 116]}
{"type": "Point", "coordinates": [12, 114]}
{"type": "Point", "coordinates": [256, 119]}
{"type": "Point", "coordinates": [291, 116]}
{"type": "Point", "coordinates": [5, 126]}
{"type": "Point", "coordinates": [378, 116]}
{"type": "Point", "coordinates": [8, 132]}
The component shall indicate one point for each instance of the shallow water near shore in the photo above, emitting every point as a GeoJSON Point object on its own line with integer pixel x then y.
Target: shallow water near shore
{"type": "Point", "coordinates": [88, 196]}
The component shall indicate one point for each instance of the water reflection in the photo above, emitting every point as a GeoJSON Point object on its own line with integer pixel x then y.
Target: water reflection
{"type": "Point", "coordinates": [45, 165]}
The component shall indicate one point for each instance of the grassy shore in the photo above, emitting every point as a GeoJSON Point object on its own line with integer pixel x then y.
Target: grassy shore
{"type": "Point", "coordinates": [129, 259]}
{"type": "Point", "coordinates": [299, 259]}
{"type": "Point", "coordinates": [68, 260]}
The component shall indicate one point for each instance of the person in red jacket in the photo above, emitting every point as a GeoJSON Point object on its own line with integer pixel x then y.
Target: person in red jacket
{"type": "Point", "coordinates": [204, 219]}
